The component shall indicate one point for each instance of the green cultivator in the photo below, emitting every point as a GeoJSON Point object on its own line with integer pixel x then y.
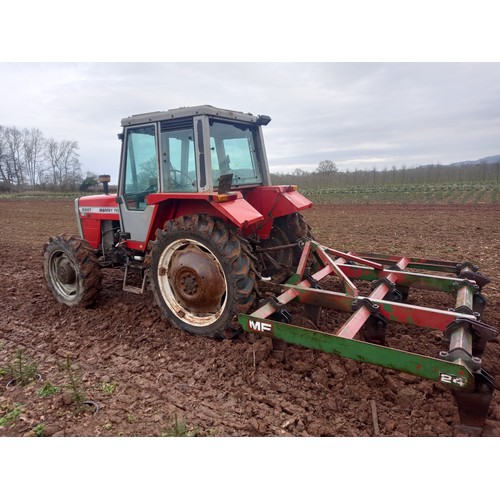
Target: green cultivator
{"type": "Point", "coordinates": [362, 337]}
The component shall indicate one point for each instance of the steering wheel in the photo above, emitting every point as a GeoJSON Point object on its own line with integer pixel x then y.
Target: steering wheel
{"type": "Point", "coordinates": [152, 188]}
{"type": "Point", "coordinates": [140, 197]}
{"type": "Point", "coordinates": [180, 184]}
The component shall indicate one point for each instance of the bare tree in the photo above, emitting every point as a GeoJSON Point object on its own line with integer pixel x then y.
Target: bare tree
{"type": "Point", "coordinates": [64, 163]}
{"type": "Point", "coordinates": [15, 160]}
{"type": "Point", "coordinates": [327, 167]}
{"type": "Point", "coordinates": [4, 170]}
{"type": "Point", "coordinates": [33, 145]}
{"type": "Point", "coordinates": [53, 157]}
{"type": "Point", "coordinates": [298, 172]}
{"type": "Point", "coordinates": [71, 165]}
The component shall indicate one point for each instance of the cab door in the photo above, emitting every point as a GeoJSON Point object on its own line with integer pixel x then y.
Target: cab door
{"type": "Point", "coordinates": [139, 178]}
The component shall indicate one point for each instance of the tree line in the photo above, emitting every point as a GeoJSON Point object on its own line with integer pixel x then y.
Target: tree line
{"type": "Point", "coordinates": [327, 174]}
{"type": "Point", "coordinates": [28, 160]}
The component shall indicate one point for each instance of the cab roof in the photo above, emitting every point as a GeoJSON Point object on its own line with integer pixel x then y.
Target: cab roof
{"type": "Point", "coordinates": [185, 112]}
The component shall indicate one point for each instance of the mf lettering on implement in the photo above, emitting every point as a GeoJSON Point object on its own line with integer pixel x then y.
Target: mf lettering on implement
{"type": "Point", "coordinates": [260, 326]}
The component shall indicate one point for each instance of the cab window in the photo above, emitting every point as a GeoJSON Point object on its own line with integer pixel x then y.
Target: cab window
{"type": "Point", "coordinates": [141, 168]}
{"type": "Point", "coordinates": [178, 160]}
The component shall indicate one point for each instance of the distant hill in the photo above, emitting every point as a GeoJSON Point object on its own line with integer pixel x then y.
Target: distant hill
{"type": "Point", "coordinates": [486, 159]}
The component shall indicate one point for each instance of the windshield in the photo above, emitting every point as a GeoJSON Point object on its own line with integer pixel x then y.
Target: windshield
{"type": "Point", "coordinates": [233, 152]}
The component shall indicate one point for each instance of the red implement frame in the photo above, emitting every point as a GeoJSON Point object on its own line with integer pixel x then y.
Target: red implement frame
{"type": "Point", "coordinates": [465, 335]}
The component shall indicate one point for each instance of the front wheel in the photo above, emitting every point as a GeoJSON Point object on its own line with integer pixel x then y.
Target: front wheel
{"type": "Point", "coordinates": [201, 275]}
{"type": "Point", "coordinates": [72, 270]}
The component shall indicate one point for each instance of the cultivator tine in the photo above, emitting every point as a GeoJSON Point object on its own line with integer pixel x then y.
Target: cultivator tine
{"type": "Point", "coordinates": [374, 330]}
{"type": "Point", "coordinates": [459, 366]}
{"type": "Point", "coordinates": [313, 312]}
{"type": "Point", "coordinates": [478, 303]}
{"type": "Point", "coordinates": [473, 406]}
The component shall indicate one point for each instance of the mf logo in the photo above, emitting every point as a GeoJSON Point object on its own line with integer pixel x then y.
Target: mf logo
{"type": "Point", "coordinates": [260, 326]}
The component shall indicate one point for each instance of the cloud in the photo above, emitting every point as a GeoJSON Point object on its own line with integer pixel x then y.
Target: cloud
{"type": "Point", "coordinates": [359, 115]}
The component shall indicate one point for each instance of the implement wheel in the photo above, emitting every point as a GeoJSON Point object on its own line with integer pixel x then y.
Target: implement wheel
{"type": "Point", "coordinates": [201, 275]}
{"type": "Point", "coordinates": [72, 270]}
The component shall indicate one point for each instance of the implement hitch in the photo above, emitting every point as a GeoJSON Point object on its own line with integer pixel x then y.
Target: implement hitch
{"type": "Point", "coordinates": [362, 337]}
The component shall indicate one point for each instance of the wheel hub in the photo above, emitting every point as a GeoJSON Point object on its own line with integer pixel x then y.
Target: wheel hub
{"type": "Point", "coordinates": [188, 283]}
{"type": "Point", "coordinates": [66, 273]}
{"type": "Point", "coordinates": [197, 280]}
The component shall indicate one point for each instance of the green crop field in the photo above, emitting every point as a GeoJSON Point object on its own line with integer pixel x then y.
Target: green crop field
{"type": "Point", "coordinates": [446, 193]}
{"type": "Point", "coordinates": [41, 195]}
{"type": "Point", "coordinates": [465, 193]}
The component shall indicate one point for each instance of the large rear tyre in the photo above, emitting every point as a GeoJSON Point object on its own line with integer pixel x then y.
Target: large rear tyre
{"type": "Point", "coordinates": [201, 275]}
{"type": "Point", "coordinates": [72, 270]}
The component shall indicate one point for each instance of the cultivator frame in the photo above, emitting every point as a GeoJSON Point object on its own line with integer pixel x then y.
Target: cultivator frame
{"type": "Point", "coordinates": [458, 367]}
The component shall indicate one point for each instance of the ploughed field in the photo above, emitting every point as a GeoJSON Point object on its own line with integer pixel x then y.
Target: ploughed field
{"type": "Point", "coordinates": [150, 379]}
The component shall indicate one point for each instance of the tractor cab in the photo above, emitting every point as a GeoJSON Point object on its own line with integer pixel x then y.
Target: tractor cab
{"type": "Point", "coordinates": [188, 150]}
{"type": "Point", "coordinates": [182, 155]}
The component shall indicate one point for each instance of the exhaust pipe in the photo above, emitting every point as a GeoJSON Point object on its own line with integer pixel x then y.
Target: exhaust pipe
{"type": "Point", "coordinates": [105, 179]}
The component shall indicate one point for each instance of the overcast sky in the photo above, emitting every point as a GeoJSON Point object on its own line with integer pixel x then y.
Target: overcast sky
{"type": "Point", "coordinates": [359, 115]}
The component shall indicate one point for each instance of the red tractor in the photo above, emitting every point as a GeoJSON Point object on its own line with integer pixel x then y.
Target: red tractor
{"type": "Point", "coordinates": [195, 212]}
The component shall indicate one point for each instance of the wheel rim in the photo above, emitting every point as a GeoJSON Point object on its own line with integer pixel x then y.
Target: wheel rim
{"type": "Point", "coordinates": [192, 282]}
{"type": "Point", "coordinates": [64, 275]}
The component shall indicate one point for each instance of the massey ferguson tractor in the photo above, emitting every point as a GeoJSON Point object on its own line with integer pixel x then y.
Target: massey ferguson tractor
{"type": "Point", "coordinates": [197, 218]}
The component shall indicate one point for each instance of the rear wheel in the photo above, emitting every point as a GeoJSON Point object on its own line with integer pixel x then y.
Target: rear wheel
{"type": "Point", "coordinates": [201, 275]}
{"type": "Point", "coordinates": [280, 264]}
{"type": "Point", "coordinates": [295, 227]}
{"type": "Point", "coordinates": [277, 263]}
{"type": "Point", "coordinates": [72, 270]}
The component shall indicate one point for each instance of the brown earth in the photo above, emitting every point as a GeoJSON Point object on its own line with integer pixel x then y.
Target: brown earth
{"type": "Point", "coordinates": [144, 374]}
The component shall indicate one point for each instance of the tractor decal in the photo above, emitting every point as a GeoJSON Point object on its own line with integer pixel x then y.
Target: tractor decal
{"type": "Point", "coordinates": [99, 210]}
